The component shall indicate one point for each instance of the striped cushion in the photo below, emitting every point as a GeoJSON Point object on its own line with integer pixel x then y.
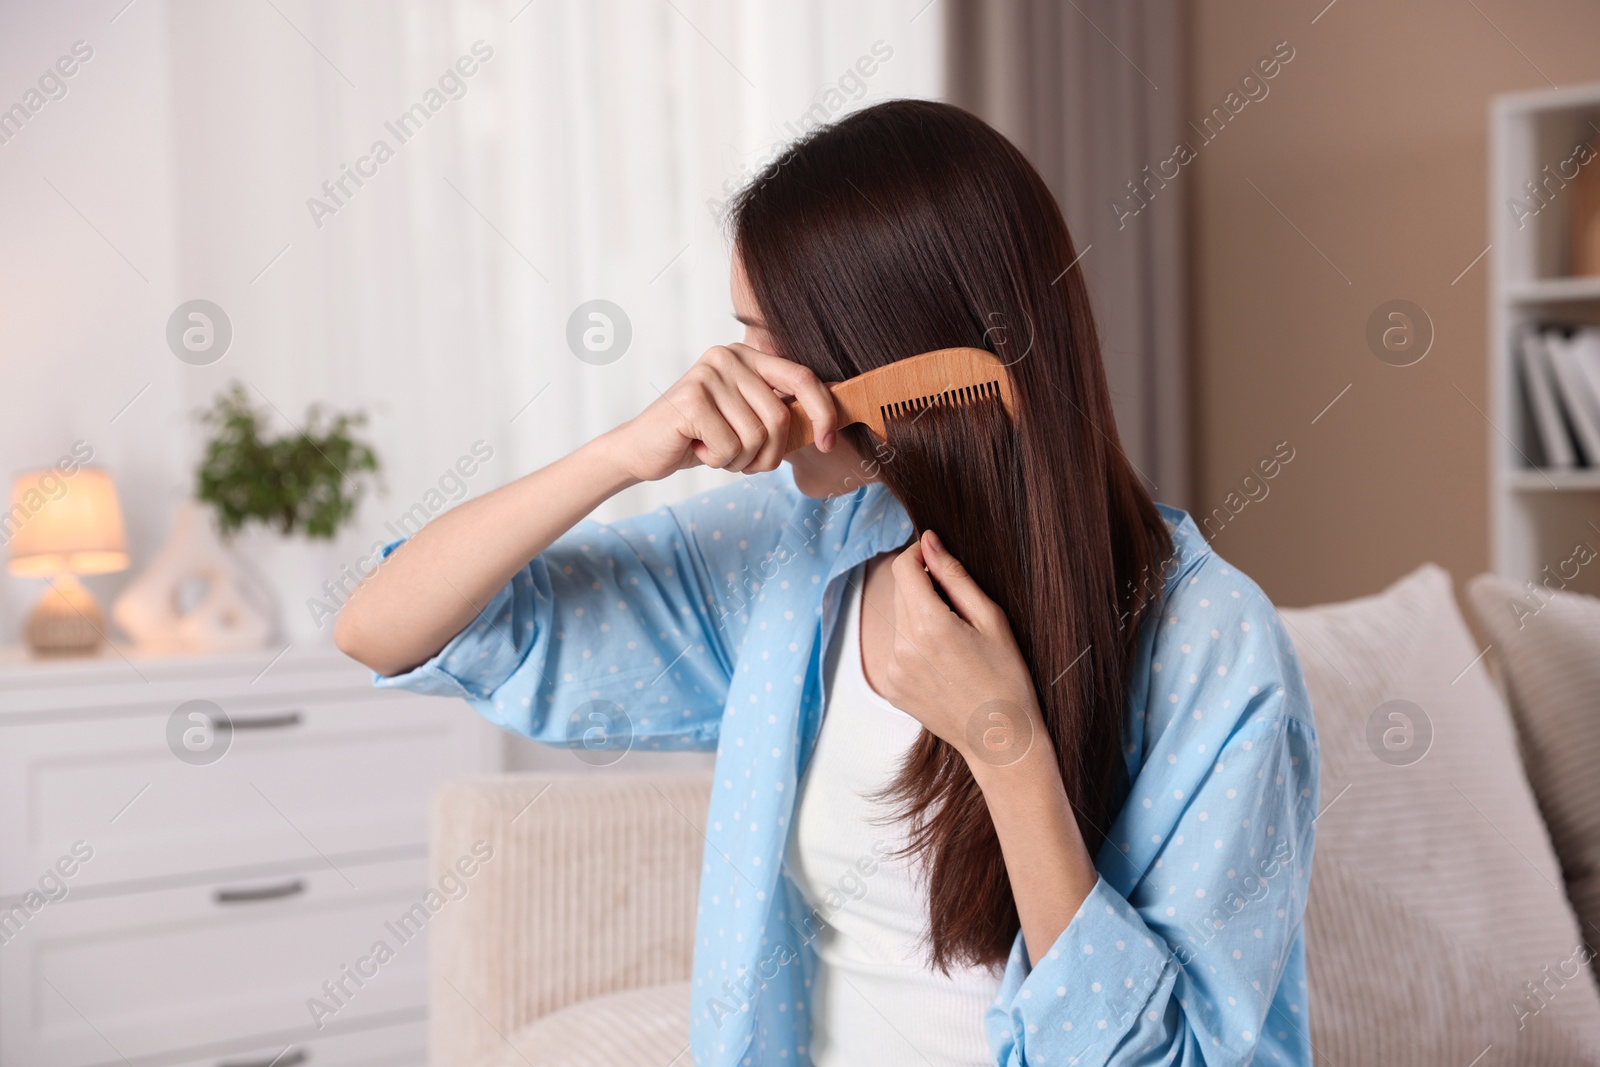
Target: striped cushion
{"type": "Point", "coordinates": [646, 1027]}
{"type": "Point", "coordinates": [1548, 646]}
{"type": "Point", "coordinates": [1435, 895]}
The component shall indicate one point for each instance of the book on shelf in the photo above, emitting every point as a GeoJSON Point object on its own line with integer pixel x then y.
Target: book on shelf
{"type": "Point", "coordinates": [1573, 373]}
{"type": "Point", "coordinates": [1539, 386]}
{"type": "Point", "coordinates": [1584, 346]}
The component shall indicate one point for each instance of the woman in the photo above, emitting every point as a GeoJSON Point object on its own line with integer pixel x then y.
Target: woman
{"type": "Point", "coordinates": [1010, 767]}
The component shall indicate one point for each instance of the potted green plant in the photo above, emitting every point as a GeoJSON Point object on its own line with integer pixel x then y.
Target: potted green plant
{"type": "Point", "coordinates": [282, 500]}
{"type": "Point", "coordinates": [308, 481]}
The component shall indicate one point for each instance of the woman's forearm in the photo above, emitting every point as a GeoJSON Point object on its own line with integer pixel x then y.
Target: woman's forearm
{"type": "Point", "coordinates": [438, 581]}
{"type": "Point", "coordinates": [724, 412]}
{"type": "Point", "coordinates": [1047, 861]}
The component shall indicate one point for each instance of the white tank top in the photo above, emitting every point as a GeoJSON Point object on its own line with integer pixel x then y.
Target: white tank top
{"type": "Point", "coordinates": [876, 1000]}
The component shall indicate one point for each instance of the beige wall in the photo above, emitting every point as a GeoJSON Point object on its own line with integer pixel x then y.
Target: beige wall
{"type": "Point", "coordinates": [1373, 142]}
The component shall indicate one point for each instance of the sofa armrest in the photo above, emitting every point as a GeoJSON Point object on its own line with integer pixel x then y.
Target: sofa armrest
{"type": "Point", "coordinates": [591, 889]}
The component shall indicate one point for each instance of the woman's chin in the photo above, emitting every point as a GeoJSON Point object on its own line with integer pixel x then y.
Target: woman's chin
{"type": "Point", "coordinates": [824, 474]}
{"type": "Point", "coordinates": [807, 483]}
{"type": "Point", "coordinates": [813, 482]}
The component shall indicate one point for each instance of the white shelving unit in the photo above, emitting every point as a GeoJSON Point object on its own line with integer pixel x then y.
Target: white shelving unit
{"type": "Point", "coordinates": [1537, 517]}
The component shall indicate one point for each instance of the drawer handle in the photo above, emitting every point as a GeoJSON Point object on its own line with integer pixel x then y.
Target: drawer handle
{"type": "Point", "coordinates": [286, 1058]}
{"type": "Point", "coordinates": [259, 893]}
{"type": "Point", "coordinates": [269, 722]}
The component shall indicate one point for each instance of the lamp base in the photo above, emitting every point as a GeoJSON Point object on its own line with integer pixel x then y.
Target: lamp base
{"type": "Point", "coordinates": [67, 621]}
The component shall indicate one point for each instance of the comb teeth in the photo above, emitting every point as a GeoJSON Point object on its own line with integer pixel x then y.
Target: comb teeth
{"type": "Point", "coordinates": [950, 398]}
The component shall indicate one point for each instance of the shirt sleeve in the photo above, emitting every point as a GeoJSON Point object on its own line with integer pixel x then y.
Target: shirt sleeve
{"type": "Point", "coordinates": [624, 632]}
{"type": "Point", "coordinates": [1176, 955]}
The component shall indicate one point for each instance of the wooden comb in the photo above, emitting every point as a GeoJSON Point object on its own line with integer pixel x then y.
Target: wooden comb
{"type": "Point", "coordinates": [949, 377]}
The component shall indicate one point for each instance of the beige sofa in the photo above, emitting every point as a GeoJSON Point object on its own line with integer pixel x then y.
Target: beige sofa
{"type": "Point", "coordinates": [1438, 927]}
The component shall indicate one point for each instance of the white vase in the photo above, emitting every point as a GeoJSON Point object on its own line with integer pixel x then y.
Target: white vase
{"type": "Point", "coordinates": [310, 579]}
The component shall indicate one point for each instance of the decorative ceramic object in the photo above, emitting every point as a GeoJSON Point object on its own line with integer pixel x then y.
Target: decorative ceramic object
{"type": "Point", "coordinates": [194, 597]}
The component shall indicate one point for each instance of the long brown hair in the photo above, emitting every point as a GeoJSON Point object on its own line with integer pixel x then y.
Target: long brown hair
{"type": "Point", "coordinates": [911, 226]}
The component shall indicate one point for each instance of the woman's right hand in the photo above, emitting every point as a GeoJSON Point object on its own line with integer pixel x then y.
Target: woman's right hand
{"type": "Point", "coordinates": [725, 412]}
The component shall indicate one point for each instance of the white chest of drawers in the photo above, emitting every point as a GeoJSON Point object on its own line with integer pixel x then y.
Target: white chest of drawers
{"type": "Point", "coordinates": [172, 912]}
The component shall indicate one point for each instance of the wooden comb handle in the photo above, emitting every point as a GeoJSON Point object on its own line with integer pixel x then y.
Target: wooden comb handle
{"type": "Point", "coordinates": [801, 432]}
{"type": "Point", "coordinates": [849, 400]}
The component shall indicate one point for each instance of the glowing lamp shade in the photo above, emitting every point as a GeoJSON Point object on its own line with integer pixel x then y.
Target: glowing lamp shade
{"type": "Point", "coordinates": [59, 526]}
{"type": "Point", "coordinates": [65, 525]}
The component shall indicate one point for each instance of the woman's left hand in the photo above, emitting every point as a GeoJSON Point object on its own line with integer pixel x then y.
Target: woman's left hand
{"type": "Point", "coordinates": [959, 673]}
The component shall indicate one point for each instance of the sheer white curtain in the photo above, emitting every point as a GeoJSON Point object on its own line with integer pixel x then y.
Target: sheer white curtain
{"type": "Point", "coordinates": [582, 160]}
{"type": "Point", "coordinates": [1095, 93]}
{"type": "Point", "coordinates": [622, 128]}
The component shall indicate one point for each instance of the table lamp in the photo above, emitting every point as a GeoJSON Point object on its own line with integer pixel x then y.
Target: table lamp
{"type": "Point", "coordinates": [61, 526]}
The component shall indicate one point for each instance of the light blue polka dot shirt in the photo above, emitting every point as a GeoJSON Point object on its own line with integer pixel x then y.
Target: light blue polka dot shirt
{"type": "Point", "coordinates": [705, 624]}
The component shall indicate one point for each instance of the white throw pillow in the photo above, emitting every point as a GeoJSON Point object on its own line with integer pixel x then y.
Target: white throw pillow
{"type": "Point", "coordinates": [1437, 925]}
{"type": "Point", "coordinates": [1548, 647]}
{"type": "Point", "coordinates": [646, 1027]}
